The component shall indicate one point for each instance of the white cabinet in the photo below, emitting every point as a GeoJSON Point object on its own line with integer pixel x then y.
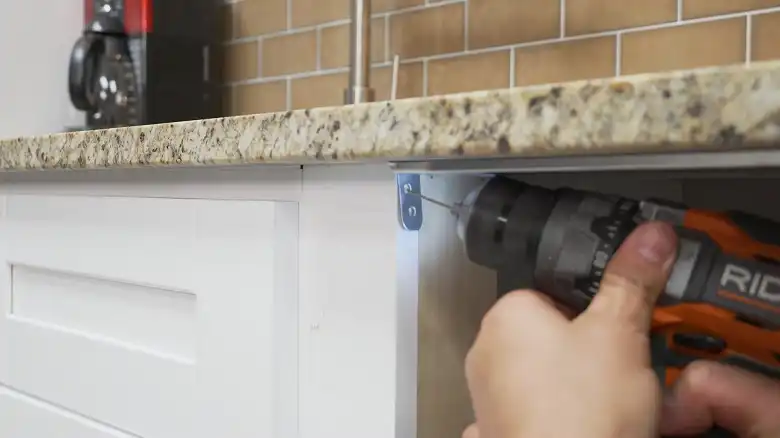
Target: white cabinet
{"type": "Point", "coordinates": [271, 302]}
{"type": "Point", "coordinates": [151, 317]}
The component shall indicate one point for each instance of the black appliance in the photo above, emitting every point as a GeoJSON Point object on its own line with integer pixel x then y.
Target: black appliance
{"type": "Point", "coordinates": [147, 61]}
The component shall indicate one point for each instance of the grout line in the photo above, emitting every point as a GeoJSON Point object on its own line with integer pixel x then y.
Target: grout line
{"type": "Point", "coordinates": [260, 58]}
{"type": "Point", "coordinates": [311, 73]}
{"type": "Point", "coordinates": [466, 26]}
{"type": "Point", "coordinates": [749, 40]}
{"type": "Point", "coordinates": [293, 76]}
{"type": "Point", "coordinates": [288, 97]}
{"type": "Point", "coordinates": [289, 14]}
{"type": "Point", "coordinates": [387, 38]}
{"type": "Point", "coordinates": [512, 68]}
{"type": "Point", "coordinates": [680, 10]}
{"type": "Point", "coordinates": [280, 33]}
{"type": "Point", "coordinates": [318, 42]}
{"type": "Point", "coordinates": [335, 23]}
{"type": "Point", "coordinates": [231, 90]}
{"type": "Point", "coordinates": [618, 54]}
{"type": "Point", "coordinates": [425, 78]}
{"type": "Point", "coordinates": [563, 19]}
{"type": "Point", "coordinates": [763, 11]}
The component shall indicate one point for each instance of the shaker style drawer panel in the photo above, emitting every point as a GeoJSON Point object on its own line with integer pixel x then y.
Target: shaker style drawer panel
{"type": "Point", "coordinates": [147, 317]}
{"type": "Point", "coordinates": [153, 318]}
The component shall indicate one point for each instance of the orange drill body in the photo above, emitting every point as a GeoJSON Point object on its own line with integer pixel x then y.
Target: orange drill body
{"type": "Point", "coordinates": [753, 344]}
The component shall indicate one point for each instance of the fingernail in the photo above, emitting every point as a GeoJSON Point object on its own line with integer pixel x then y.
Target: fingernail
{"type": "Point", "coordinates": [656, 242]}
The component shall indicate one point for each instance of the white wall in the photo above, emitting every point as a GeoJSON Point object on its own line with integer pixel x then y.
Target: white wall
{"type": "Point", "coordinates": [35, 41]}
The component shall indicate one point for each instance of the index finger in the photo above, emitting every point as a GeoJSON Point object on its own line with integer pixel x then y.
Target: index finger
{"type": "Point", "coordinates": [709, 393]}
{"type": "Point", "coordinates": [635, 277]}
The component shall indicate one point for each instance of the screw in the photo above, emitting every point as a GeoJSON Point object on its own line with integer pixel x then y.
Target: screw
{"type": "Point", "coordinates": [412, 211]}
{"type": "Point", "coordinates": [407, 188]}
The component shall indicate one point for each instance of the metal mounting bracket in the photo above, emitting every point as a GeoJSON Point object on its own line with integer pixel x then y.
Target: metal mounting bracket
{"type": "Point", "coordinates": [658, 161]}
{"type": "Point", "coordinates": [410, 211]}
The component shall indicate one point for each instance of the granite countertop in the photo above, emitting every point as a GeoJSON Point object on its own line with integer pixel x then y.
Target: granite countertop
{"type": "Point", "coordinates": [726, 107]}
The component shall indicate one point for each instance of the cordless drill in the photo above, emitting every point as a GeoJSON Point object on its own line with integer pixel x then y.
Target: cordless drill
{"type": "Point", "coordinates": [722, 299]}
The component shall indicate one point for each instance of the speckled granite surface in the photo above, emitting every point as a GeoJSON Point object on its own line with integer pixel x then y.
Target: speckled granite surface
{"type": "Point", "coordinates": [721, 107]}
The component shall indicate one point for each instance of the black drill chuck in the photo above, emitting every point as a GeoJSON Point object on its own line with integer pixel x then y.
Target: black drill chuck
{"type": "Point", "coordinates": [558, 241]}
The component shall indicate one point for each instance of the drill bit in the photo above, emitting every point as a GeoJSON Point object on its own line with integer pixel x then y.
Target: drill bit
{"type": "Point", "coordinates": [454, 209]}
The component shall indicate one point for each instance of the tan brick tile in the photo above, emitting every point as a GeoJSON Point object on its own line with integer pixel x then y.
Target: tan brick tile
{"type": "Point", "coordinates": [288, 54]}
{"type": "Point", "coordinates": [703, 8]}
{"type": "Point", "coordinates": [227, 101]}
{"type": "Point", "coordinates": [319, 91]}
{"type": "Point", "coordinates": [684, 47]}
{"type": "Point", "coordinates": [240, 61]}
{"type": "Point", "coordinates": [500, 22]}
{"type": "Point", "coordinates": [392, 5]}
{"type": "Point", "coordinates": [766, 37]}
{"type": "Point", "coordinates": [258, 17]}
{"type": "Point", "coordinates": [566, 61]}
{"type": "Point", "coordinates": [260, 98]}
{"type": "Point", "coordinates": [227, 24]}
{"type": "Point", "coordinates": [587, 16]}
{"type": "Point", "coordinates": [410, 81]}
{"type": "Point", "coordinates": [311, 12]}
{"type": "Point", "coordinates": [427, 31]}
{"type": "Point", "coordinates": [468, 73]}
{"type": "Point", "coordinates": [334, 44]}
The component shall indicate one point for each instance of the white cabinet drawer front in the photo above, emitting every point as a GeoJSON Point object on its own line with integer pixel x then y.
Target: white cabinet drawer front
{"type": "Point", "coordinates": [153, 318]}
{"type": "Point", "coordinates": [34, 418]}
{"type": "Point", "coordinates": [148, 317]}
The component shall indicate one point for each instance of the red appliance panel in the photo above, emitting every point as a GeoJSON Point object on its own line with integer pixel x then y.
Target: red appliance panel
{"type": "Point", "coordinates": [138, 16]}
{"type": "Point", "coordinates": [89, 10]}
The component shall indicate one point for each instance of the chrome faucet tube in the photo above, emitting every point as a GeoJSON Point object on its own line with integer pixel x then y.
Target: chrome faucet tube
{"type": "Point", "coordinates": [360, 90]}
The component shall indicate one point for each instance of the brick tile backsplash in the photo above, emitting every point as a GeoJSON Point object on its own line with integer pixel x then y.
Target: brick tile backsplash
{"type": "Point", "coordinates": [311, 12]}
{"type": "Point", "coordinates": [260, 98]}
{"type": "Point", "coordinates": [285, 54]}
{"type": "Point", "coordinates": [565, 61]}
{"type": "Point", "coordinates": [392, 5]}
{"type": "Point", "coordinates": [469, 73]}
{"type": "Point", "coordinates": [427, 32]}
{"type": "Point", "coordinates": [766, 37]}
{"type": "Point", "coordinates": [316, 91]}
{"type": "Point", "coordinates": [410, 81]}
{"type": "Point", "coordinates": [698, 45]}
{"type": "Point", "coordinates": [241, 61]}
{"type": "Point", "coordinates": [501, 22]}
{"type": "Point", "coordinates": [589, 16]}
{"type": "Point", "coordinates": [334, 44]}
{"type": "Point", "coordinates": [258, 17]}
{"type": "Point", "coordinates": [703, 8]}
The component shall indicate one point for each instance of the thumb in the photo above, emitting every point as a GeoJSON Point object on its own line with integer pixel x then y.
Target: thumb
{"type": "Point", "coordinates": [471, 432]}
{"type": "Point", "coordinates": [709, 393]}
{"type": "Point", "coordinates": [635, 277]}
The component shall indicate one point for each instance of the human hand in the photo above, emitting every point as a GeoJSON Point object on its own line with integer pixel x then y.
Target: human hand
{"type": "Point", "coordinates": [534, 373]}
{"type": "Point", "coordinates": [708, 393]}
